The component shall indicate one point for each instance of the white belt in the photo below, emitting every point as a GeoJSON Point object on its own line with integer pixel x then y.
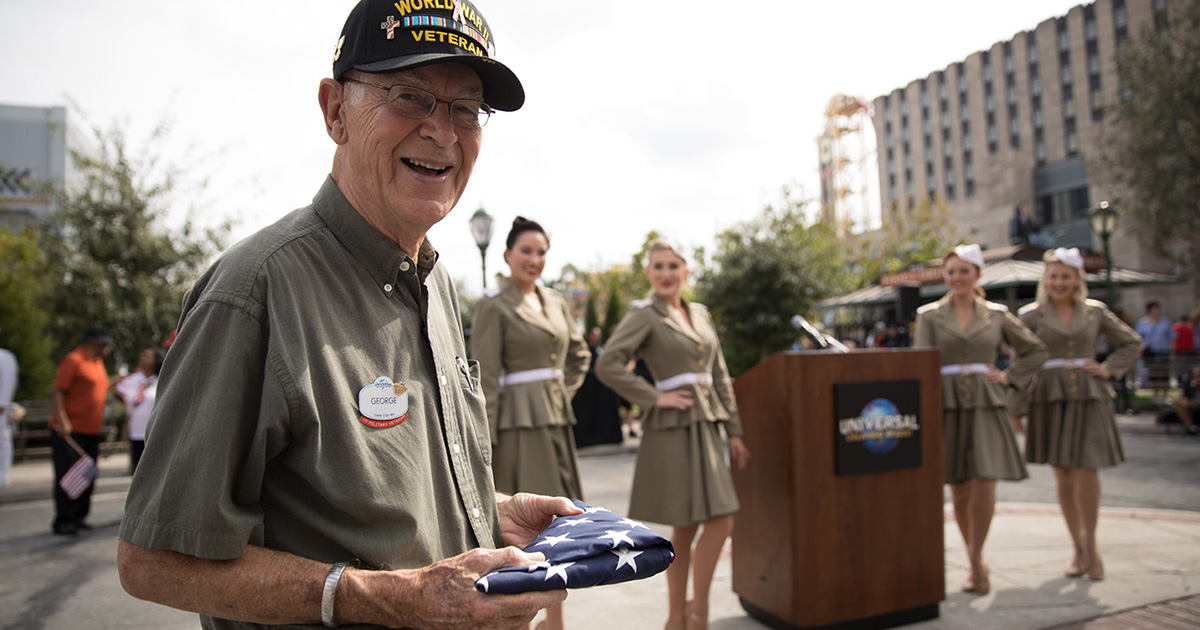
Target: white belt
{"type": "Point", "coordinates": [1051, 364]}
{"type": "Point", "coordinates": [966, 368]}
{"type": "Point", "coordinates": [531, 376]}
{"type": "Point", "coordinates": [687, 378]}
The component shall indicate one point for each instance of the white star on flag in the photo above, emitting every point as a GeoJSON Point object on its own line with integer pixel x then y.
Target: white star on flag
{"type": "Point", "coordinates": [617, 537]}
{"type": "Point", "coordinates": [483, 581]}
{"type": "Point", "coordinates": [593, 510]}
{"type": "Point", "coordinates": [631, 523]}
{"type": "Point", "coordinates": [558, 569]}
{"type": "Point", "coordinates": [553, 540]}
{"type": "Point", "coordinates": [572, 522]}
{"type": "Point", "coordinates": [626, 556]}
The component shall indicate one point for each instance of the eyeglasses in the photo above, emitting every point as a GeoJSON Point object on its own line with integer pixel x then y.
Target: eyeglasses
{"type": "Point", "coordinates": [417, 103]}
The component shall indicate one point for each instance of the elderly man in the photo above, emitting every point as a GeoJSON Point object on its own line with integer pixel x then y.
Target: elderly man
{"type": "Point", "coordinates": [319, 450]}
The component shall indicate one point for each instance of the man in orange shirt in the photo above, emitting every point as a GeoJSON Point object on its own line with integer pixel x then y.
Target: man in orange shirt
{"type": "Point", "coordinates": [80, 389]}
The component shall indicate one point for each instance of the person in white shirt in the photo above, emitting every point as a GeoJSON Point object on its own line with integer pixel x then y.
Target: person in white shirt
{"type": "Point", "coordinates": [136, 392]}
{"type": "Point", "coordinates": [8, 385]}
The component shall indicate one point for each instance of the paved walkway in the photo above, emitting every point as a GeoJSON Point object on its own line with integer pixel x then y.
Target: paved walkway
{"type": "Point", "coordinates": [1152, 558]}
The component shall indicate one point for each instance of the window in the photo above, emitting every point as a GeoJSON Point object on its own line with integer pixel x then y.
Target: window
{"type": "Point", "coordinates": [966, 141]}
{"type": "Point", "coordinates": [1072, 142]}
{"type": "Point", "coordinates": [963, 114]}
{"type": "Point", "coordinates": [1035, 86]}
{"type": "Point", "coordinates": [1066, 75]}
{"type": "Point", "coordinates": [1014, 125]}
{"type": "Point", "coordinates": [1064, 41]}
{"type": "Point", "coordinates": [1037, 118]}
{"type": "Point", "coordinates": [1069, 107]}
{"type": "Point", "coordinates": [1093, 63]}
{"type": "Point", "coordinates": [1008, 59]}
{"type": "Point", "coordinates": [1120, 19]}
{"type": "Point", "coordinates": [1033, 56]}
{"type": "Point", "coordinates": [990, 103]}
{"type": "Point", "coordinates": [1012, 95]}
{"type": "Point", "coordinates": [1089, 30]}
{"type": "Point", "coordinates": [1039, 151]}
{"type": "Point", "coordinates": [962, 81]}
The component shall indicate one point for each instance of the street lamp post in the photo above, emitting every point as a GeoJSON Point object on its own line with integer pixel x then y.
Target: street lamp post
{"type": "Point", "coordinates": [1103, 218]}
{"type": "Point", "coordinates": [481, 229]}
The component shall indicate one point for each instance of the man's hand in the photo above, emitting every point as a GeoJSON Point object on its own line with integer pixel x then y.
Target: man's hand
{"type": "Point", "coordinates": [523, 516]}
{"type": "Point", "coordinates": [442, 596]}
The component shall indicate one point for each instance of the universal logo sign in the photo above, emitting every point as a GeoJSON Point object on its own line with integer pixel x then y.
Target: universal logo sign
{"type": "Point", "coordinates": [878, 426]}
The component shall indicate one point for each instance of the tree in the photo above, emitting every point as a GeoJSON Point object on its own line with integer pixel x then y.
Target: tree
{"type": "Point", "coordinates": [22, 318]}
{"type": "Point", "coordinates": [908, 238]}
{"type": "Point", "coordinates": [116, 262]}
{"type": "Point", "coordinates": [1151, 160]}
{"type": "Point", "coordinates": [763, 272]}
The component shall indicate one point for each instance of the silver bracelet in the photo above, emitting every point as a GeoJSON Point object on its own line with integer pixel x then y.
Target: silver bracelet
{"type": "Point", "coordinates": [327, 595]}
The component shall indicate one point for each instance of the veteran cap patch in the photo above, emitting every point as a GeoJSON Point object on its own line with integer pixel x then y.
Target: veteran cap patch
{"type": "Point", "coordinates": [391, 35]}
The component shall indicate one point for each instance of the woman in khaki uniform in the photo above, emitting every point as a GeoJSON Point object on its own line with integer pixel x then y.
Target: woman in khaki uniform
{"type": "Point", "coordinates": [1071, 422]}
{"type": "Point", "coordinates": [681, 478]}
{"type": "Point", "coordinates": [979, 446]}
{"type": "Point", "coordinates": [531, 360]}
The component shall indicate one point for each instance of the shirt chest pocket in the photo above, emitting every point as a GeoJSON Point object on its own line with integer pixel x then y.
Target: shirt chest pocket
{"type": "Point", "coordinates": [474, 406]}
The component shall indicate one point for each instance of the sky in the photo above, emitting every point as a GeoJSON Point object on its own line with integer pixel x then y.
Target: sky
{"type": "Point", "coordinates": [681, 117]}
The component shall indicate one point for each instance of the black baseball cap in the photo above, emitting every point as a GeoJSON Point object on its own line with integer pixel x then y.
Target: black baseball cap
{"type": "Point", "coordinates": [386, 36]}
{"type": "Point", "coordinates": [97, 335]}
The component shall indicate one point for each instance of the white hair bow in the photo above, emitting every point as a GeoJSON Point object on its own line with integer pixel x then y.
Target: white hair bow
{"type": "Point", "coordinates": [970, 253]}
{"type": "Point", "coordinates": [1069, 257]}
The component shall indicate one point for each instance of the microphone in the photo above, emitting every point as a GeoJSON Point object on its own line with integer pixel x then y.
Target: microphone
{"type": "Point", "coordinates": [823, 341]}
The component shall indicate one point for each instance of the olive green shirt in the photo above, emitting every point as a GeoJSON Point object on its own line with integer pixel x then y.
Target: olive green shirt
{"type": "Point", "coordinates": [257, 436]}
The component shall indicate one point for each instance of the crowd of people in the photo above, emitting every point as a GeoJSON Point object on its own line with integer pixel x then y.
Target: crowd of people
{"type": "Point", "coordinates": [319, 447]}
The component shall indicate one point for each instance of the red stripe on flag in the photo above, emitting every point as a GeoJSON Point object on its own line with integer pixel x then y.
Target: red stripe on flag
{"type": "Point", "coordinates": [79, 476]}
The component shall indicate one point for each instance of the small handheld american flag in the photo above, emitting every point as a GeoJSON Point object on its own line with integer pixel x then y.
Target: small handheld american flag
{"type": "Point", "coordinates": [592, 549]}
{"type": "Point", "coordinates": [80, 475]}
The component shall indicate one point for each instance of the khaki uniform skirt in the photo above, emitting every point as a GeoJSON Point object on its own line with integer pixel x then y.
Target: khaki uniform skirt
{"type": "Point", "coordinates": [682, 476]}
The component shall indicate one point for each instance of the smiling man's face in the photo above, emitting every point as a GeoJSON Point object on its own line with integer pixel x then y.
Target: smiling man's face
{"type": "Point", "coordinates": [405, 174]}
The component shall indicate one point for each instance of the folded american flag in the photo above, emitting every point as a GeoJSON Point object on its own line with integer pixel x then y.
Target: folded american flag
{"type": "Point", "coordinates": [79, 476]}
{"type": "Point", "coordinates": [594, 548]}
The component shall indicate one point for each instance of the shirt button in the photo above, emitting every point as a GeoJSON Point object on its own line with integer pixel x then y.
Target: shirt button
{"type": "Point", "coordinates": [1070, 342]}
{"type": "Point", "coordinates": [387, 287]}
{"type": "Point", "coordinates": [456, 449]}
{"type": "Point", "coordinates": [966, 381]}
{"type": "Point", "coordinates": [404, 266]}
{"type": "Point", "coordinates": [1074, 388]}
{"type": "Point", "coordinates": [475, 512]}
{"type": "Point", "coordinates": [700, 347]}
{"type": "Point", "coordinates": [554, 338]}
{"type": "Point", "coordinates": [700, 362]}
{"type": "Point", "coordinates": [1072, 377]}
{"type": "Point", "coordinates": [1070, 354]}
{"type": "Point", "coordinates": [553, 356]}
{"type": "Point", "coordinates": [442, 379]}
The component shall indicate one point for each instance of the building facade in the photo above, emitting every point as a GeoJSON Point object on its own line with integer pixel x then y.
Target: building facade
{"type": "Point", "coordinates": [33, 156]}
{"type": "Point", "coordinates": [1006, 138]}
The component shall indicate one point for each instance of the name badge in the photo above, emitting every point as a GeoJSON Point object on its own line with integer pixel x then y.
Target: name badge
{"type": "Point", "coordinates": [383, 403]}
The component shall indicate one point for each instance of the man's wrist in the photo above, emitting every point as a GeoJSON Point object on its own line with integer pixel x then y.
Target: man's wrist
{"type": "Point", "coordinates": [382, 598]}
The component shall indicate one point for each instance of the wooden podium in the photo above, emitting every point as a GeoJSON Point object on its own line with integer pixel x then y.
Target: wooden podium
{"type": "Point", "coordinates": [813, 548]}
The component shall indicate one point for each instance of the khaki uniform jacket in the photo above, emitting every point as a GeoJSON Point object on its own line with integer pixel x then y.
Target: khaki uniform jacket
{"type": "Point", "coordinates": [937, 327]}
{"type": "Point", "coordinates": [508, 336]}
{"type": "Point", "coordinates": [670, 347]}
{"type": "Point", "coordinates": [1079, 341]}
